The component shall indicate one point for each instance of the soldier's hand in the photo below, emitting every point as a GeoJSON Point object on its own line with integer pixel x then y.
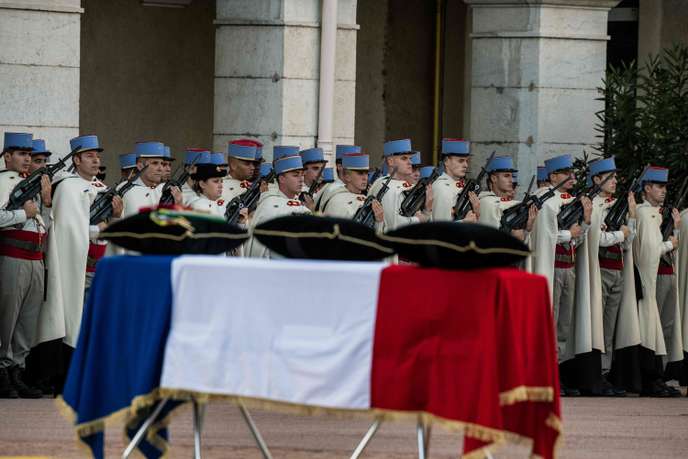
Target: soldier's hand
{"type": "Point", "coordinates": [243, 215]}
{"type": "Point", "coordinates": [626, 231]}
{"type": "Point", "coordinates": [422, 217]}
{"type": "Point", "coordinates": [46, 188]}
{"type": "Point", "coordinates": [475, 205]}
{"type": "Point", "coordinates": [30, 209]}
{"type": "Point", "coordinates": [117, 206]}
{"type": "Point", "coordinates": [471, 217]}
{"type": "Point", "coordinates": [519, 234]}
{"type": "Point", "coordinates": [677, 218]}
{"type": "Point", "coordinates": [177, 195]}
{"type": "Point", "coordinates": [378, 211]}
{"type": "Point", "coordinates": [309, 202]}
{"type": "Point", "coordinates": [674, 241]}
{"type": "Point", "coordinates": [632, 205]}
{"type": "Point", "coordinates": [428, 198]}
{"type": "Point", "coordinates": [587, 209]}
{"type": "Point", "coordinates": [576, 231]}
{"type": "Point", "coordinates": [263, 187]}
{"type": "Point", "coordinates": [532, 215]}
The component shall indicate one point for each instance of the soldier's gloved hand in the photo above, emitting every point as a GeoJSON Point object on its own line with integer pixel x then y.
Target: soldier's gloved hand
{"type": "Point", "coordinates": [243, 215]}
{"type": "Point", "coordinates": [177, 195]}
{"type": "Point", "coordinates": [632, 205]}
{"type": "Point", "coordinates": [471, 217]}
{"type": "Point", "coordinates": [46, 188]}
{"type": "Point", "coordinates": [475, 205]}
{"type": "Point", "coordinates": [428, 198]}
{"type": "Point", "coordinates": [117, 206]}
{"type": "Point", "coordinates": [626, 231]}
{"type": "Point", "coordinates": [519, 234]}
{"type": "Point", "coordinates": [674, 241]}
{"type": "Point", "coordinates": [263, 187]}
{"type": "Point", "coordinates": [378, 211]}
{"type": "Point", "coordinates": [30, 209]}
{"type": "Point", "coordinates": [576, 231]}
{"type": "Point", "coordinates": [587, 209]}
{"type": "Point", "coordinates": [677, 218]}
{"type": "Point", "coordinates": [308, 202]}
{"type": "Point", "coordinates": [532, 215]}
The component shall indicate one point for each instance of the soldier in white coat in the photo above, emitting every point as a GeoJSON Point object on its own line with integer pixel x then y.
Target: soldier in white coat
{"type": "Point", "coordinates": [610, 257]}
{"type": "Point", "coordinates": [398, 155]}
{"type": "Point", "coordinates": [557, 257]}
{"type": "Point", "coordinates": [347, 200]}
{"type": "Point", "coordinates": [146, 191]}
{"type": "Point", "coordinates": [242, 161]}
{"type": "Point", "coordinates": [208, 185]}
{"type": "Point", "coordinates": [326, 191]}
{"type": "Point", "coordinates": [456, 156]}
{"type": "Point", "coordinates": [660, 328]}
{"type": "Point", "coordinates": [283, 201]}
{"type": "Point", "coordinates": [22, 279]}
{"type": "Point", "coordinates": [127, 163]}
{"type": "Point", "coordinates": [499, 196]}
{"type": "Point", "coordinates": [72, 244]}
{"type": "Point", "coordinates": [192, 156]}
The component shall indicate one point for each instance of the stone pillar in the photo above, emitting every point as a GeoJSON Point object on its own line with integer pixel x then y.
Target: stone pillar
{"type": "Point", "coordinates": [267, 58]}
{"type": "Point", "coordinates": [536, 66]}
{"type": "Point", "coordinates": [39, 69]}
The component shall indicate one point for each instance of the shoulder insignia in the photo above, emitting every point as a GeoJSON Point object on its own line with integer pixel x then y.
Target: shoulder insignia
{"type": "Point", "coordinates": [293, 203]}
{"type": "Point", "coordinates": [220, 202]}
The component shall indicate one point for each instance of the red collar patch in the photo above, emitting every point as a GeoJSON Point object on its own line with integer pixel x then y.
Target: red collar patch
{"type": "Point", "coordinates": [609, 200]}
{"type": "Point", "coordinates": [406, 185]}
{"type": "Point", "coordinates": [220, 202]}
{"type": "Point", "coordinates": [293, 203]}
{"type": "Point", "coordinates": [566, 196]}
{"type": "Point", "coordinates": [245, 184]}
{"type": "Point", "coordinates": [460, 184]}
{"type": "Point", "coordinates": [505, 199]}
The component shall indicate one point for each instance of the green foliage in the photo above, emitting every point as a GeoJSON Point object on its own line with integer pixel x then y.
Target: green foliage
{"type": "Point", "coordinates": [645, 119]}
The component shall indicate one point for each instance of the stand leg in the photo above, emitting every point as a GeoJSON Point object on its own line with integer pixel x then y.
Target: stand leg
{"type": "Point", "coordinates": [428, 432]}
{"type": "Point", "coordinates": [488, 455]}
{"type": "Point", "coordinates": [142, 430]}
{"type": "Point", "coordinates": [420, 433]}
{"type": "Point", "coordinates": [372, 430]}
{"type": "Point", "coordinates": [197, 422]}
{"type": "Point", "coordinates": [255, 432]}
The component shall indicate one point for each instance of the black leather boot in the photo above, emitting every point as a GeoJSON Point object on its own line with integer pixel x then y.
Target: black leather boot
{"type": "Point", "coordinates": [7, 389]}
{"type": "Point", "coordinates": [24, 390]}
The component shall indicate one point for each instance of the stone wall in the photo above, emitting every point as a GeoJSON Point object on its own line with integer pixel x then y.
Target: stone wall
{"type": "Point", "coordinates": [662, 23]}
{"type": "Point", "coordinates": [147, 73]}
{"type": "Point", "coordinates": [39, 69]}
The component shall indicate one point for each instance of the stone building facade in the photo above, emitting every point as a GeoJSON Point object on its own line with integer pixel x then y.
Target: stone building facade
{"type": "Point", "coordinates": [516, 76]}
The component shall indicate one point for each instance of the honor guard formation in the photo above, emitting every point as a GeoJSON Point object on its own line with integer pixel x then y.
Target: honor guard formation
{"type": "Point", "coordinates": [614, 258]}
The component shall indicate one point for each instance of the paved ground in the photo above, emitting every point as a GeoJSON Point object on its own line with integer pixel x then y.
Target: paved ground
{"type": "Point", "coordinates": [594, 428]}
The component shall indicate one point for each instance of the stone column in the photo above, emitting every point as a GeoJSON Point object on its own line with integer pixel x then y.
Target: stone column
{"type": "Point", "coordinates": [536, 66]}
{"type": "Point", "coordinates": [267, 58]}
{"type": "Point", "coordinates": [39, 69]}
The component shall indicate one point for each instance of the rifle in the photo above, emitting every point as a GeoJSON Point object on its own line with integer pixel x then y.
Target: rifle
{"type": "Point", "coordinates": [166, 198]}
{"type": "Point", "coordinates": [618, 211]}
{"type": "Point", "coordinates": [667, 220]}
{"type": "Point", "coordinates": [101, 209]}
{"type": "Point", "coordinates": [376, 175]}
{"type": "Point", "coordinates": [516, 217]}
{"type": "Point", "coordinates": [415, 197]}
{"type": "Point", "coordinates": [247, 200]}
{"type": "Point", "coordinates": [463, 204]}
{"type": "Point", "coordinates": [365, 214]}
{"type": "Point", "coordinates": [29, 188]}
{"type": "Point", "coordinates": [572, 213]}
{"type": "Point", "coordinates": [314, 186]}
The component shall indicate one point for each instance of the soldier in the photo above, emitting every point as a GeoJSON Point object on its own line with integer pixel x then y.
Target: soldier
{"type": "Point", "coordinates": [326, 191]}
{"type": "Point", "coordinates": [39, 155]}
{"type": "Point", "coordinates": [514, 185]}
{"type": "Point", "coordinates": [606, 251]}
{"type": "Point", "coordinates": [21, 268]}
{"type": "Point", "coordinates": [146, 191]}
{"type": "Point", "coordinates": [398, 155]}
{"type": "Point", "coordinates": [416, 164]}
{"type": "Point", "coordinates": [127, 163]}
{"type": "Point", "coordinates": [555, 258]}
{"type": "Point", "coordinates": [313, 162]}
{"type": "Point", "coordinates": [284, 201]}
{"type": "Point", "coordinates": [192, 156]}
{"type": "Point", "coordinates": [542, 178]}
{"type": "Point", "coordinates": [208, 184]}
{"type": "Point", "coordinates": [167, 165]}
{"type": "Point", "coordinates": [658, 308]}
{"type": "Point", "coordinates": [242, 165]}
{"type": "Point", "coordinates": [72, 245]}
{"type": "Point", "coordinates": [455, 159]}
{"type": "Point", "coordinates": [499, 196]}
{"type": "Point", "coordinates": [346, 200]}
